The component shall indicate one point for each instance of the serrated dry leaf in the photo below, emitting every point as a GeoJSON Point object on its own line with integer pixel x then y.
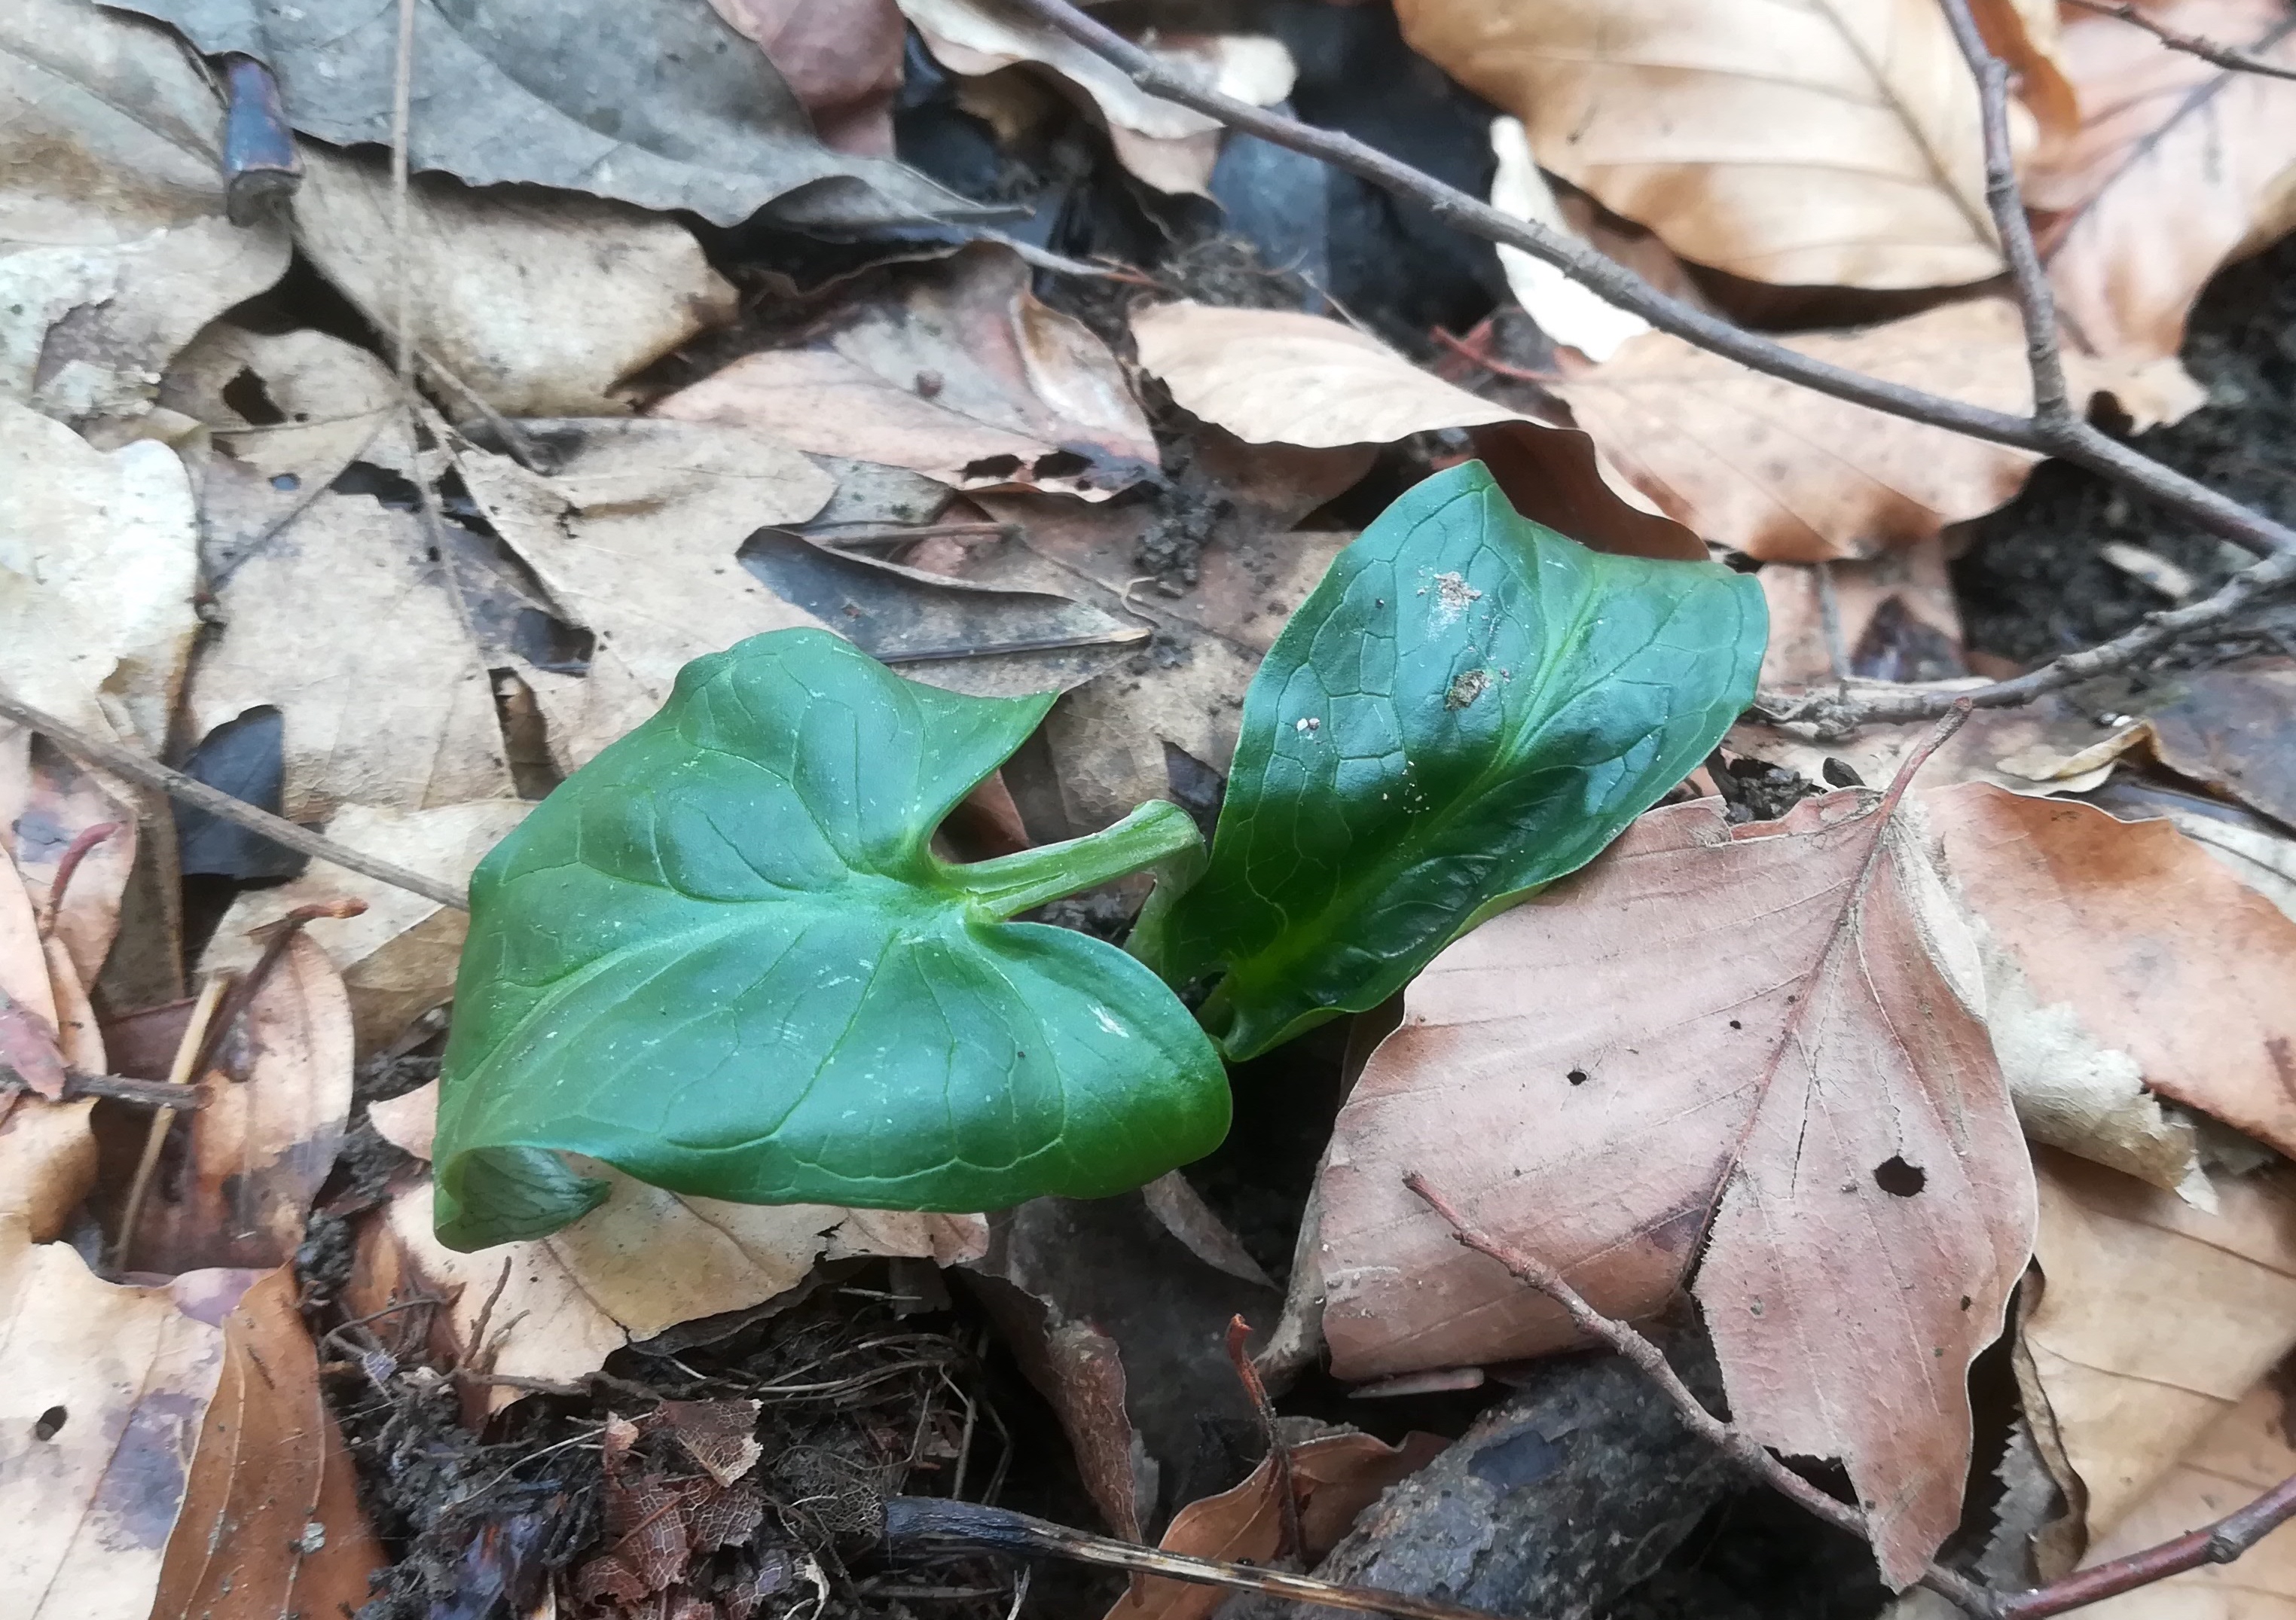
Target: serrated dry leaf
{"type": "Point", "coordinates": [1273, 376]}
{"type": "Point", "coordinates": [2179, 167]}
{"type": "Point", "coordinates": [1334, 1476]}
{"type": "Point", "coordinates": [404, 721]}
{"type": "Point", "coordinates": [258, 1476]}
{"type": "Point", "coordinates": [1820, 1105]}
{"type": "Point", "coordinates": [99, 554]}
{"type": "Point", "coordinates": [398, 957]}
{"type": "Point", "coordinates": [841, 58]}
{"type": "Point", "coordinates": [642, 1261]}
{"type": "Point", "coordinates": [1769, 467]}
{"type": "Point", "coordinates": [2154, 1319]}
{"type": "Point", "coordinates": [1169, 146]}
{"type": "Point", "coordinates": [657, 103]}
{"type": "Point", "coordinates": [2245, 1455]}
{"type": "Point", "coordinates": [541, 305]}
{"type": "Point", "coordinates": [2157, 951]}
{"type": "Point", "coordinates": [255, 1156]}
{"type": "Point", "coordinates": [101, 1391]}
{"type": "Point", "coordinates": [114, 248]}
{"type": "Point", "coordinates": [634, 533]}
{"type": "Point", "coordinates": [961, 374]}
{"type": "Point", "coordinates": [1835, 143]}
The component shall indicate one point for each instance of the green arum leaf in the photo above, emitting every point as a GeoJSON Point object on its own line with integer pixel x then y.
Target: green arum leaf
{"type": "Point", "coordinates": [1468, 706]}
{"type": "Point", "coordinates": [723, 957]}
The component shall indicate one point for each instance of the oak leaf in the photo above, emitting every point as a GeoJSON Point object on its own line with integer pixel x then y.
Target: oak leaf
{"type": "Point", "coordinates": [1819, 1104]}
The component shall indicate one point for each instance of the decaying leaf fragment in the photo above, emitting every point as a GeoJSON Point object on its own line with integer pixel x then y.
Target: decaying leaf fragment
{"type": "Point", "coordinates": [1820, 1104]}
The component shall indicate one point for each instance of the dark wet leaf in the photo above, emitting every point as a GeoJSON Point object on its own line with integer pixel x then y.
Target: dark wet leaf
{"type": "Point", "coordinates": [724, 958]}
{"type": "Point", "coordinates": [1468, 706]}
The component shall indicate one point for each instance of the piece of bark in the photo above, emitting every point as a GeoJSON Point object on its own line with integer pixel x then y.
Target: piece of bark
{"type": "Point", "coordinates": [1555, 1500]}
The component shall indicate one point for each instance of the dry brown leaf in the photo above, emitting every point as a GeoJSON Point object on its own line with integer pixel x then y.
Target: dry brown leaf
{"type": "Point", "coordinates": [48, 1162]}
{"type": "Point", "coordinates": [1335, 1476]}
{"type": "Point", "coordinates": [1891, 618]}
{"type": "Point", "coordinates": [2180, 167]}
{"type": "Point", "coordinates": [2245, 1455]}
{"type": "Point", "coordinates": [1822, 1106]}
{"type": "Point", "coordinates": [964, 376]}
{"type": "Point", "coordinates": [258, 1476]}
{"type": "Point", "coordinates": [255, 1156]}
{"type": "Point", "coordinates": [1770, 469]}
{"type": "Point", "coordinates": [2154, 1319]}
{"type": "Point", "coordinates": [643, 1261]}
{"type": "Point", "coordinates": [634, 534]}
{"type": "Point", "coordinates": [1273, 376]}
{"type": "Point", "coordinates": [398, 958]}
{"type": "Point", "coordinates": [541, 305]}
{"type": "Point", "coordinates": [99, 555]}
{"type": "Point", "coordinates": [47, 1156]}
{"type": "Point", "coordinates": [1169, 146]}
{"type": "Point", "coordinates": [404, 721]}
{"type": "Point", "coordinates": [114, 248]}
{"type": "Point", "coordinates": [101, 1391]}
{"type": "Point", "coordinates": [2155, 950]}
{"type": "Point", "coordinates": [1830, 144]}
{"type": "Point", "coordinates": [841, 58]}
{"type": "Point", "coordinates": [2232, 729]}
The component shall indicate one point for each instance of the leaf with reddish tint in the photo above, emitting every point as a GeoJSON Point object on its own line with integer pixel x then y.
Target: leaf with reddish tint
{"type": "Point", "coordinates": [1764, 1038]}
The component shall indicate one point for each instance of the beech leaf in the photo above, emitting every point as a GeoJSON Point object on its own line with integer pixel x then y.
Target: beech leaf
{"type": "Point", "coordinates": [723, 959]}
{"type": "Point", "coordinates": [1469, 706]}
{"type": "Point", "coordinates": [1819, 1104]}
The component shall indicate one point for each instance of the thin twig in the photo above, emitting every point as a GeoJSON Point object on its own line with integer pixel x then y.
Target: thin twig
{"type": "Point", "coordinates": [2097, 451]}
{"type": "Point", "coordinates": [2053, 411]}
{"type": "Point", "coordinates": [151, 774]}
{"type": "Point", "coordinates": [76, 851]}
{"type": "Point", "coordinates": [1279, 1454]}
{"type": "Point", "coordinates": [188, 1048]}
{"type": "Point", "coordinates": [144, 1093]}
{"type": "Point", "coordinates": [933, 1522]}
{"type": "Point", "coordinates": [1495, 366]}
{"type": "Point", "coordinates": [2192, 44]}
{"type": "Point", "coordinates": [1837, 714]}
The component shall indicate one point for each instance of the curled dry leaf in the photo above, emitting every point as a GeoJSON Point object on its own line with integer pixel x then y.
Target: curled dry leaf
{"type": "Point", "coordinates": [48, 800]}
{"type": "Point", "coordinates": [634, 532]}
{"type": "Point", "coordinates": [540, 304]}
{"type": "Point", "coordinates": [1567, 311]}
{"type": "Point", "coordinates": [2179, 167]}
{"type": "Point", "coordinates": [963, 375]}
{"type": "Point", "coordinates": [240, 1548]}
{"type": "Point", "coordinates": [842, 58]}
{"type": "Point", "coordinates": [2232, 729]}
{"type": "Point", "coordinates": [114, 248]}
{"type": "Point", "coordinates": [643, 1261]}
{"type": "Point", "coordinates": [1171, 147]}
{"type": "Point", "coordinates": [2159, 960]}
{"type": "Point", "coordinates": [507, 93]}
{"type": "Point", "coordinates": [398, 957]}
{"type": "Point", "coordinates": [1334, 1478]}
{"type": "Point", "coordinates": [102, 1388]}
{"type": "Point", "coordinates": [1830, 144]}
{"type": "Point", "coordinates": [254, 1157]}
{"type": "Point", "coordinates": [1770, 469]}
{"type": "Point", "coordinates": [404, 721]}
{"type": "Point", "coordinates": [1822, 1108]}
{"type": "Point", "coordinates": [2154, 1320]}
{"type": "Point", "coordinates": [99, 555]}
{"type": "Point", "coordinates": [1273, 376]}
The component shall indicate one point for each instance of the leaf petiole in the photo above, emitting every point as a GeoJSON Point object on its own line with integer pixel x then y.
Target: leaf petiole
{"type": "Point", "coordinates": [1012, 884]}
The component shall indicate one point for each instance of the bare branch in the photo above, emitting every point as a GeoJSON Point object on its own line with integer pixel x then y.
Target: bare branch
{"type": "Point", "coordinates": [2052, 410]}
{"type": "Point", "coordinates": [2219, 1543]}
{"type": "Point", "coordinates": [1838, 712]}
{"type": "Point", "coordinates": [2098, 452]}
{"type": "Point", "coordinates": [2192, 44]}
{"type": "Point", "coordinates": [151, 774]}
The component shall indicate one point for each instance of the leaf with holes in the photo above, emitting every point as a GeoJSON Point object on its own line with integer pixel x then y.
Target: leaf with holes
{"type": "Point", "coordinates": [1469, 706]}
{"type": "Point", "coordinates": [1765, 1038]}
{"type": "Point", "coordinates": [723, 959]}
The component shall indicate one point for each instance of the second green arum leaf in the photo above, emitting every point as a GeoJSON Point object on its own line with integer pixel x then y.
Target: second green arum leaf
{"type": "Point", "coordinates": [1469, 706]}
{"type": "Point", "coordinates": [724, 958]}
